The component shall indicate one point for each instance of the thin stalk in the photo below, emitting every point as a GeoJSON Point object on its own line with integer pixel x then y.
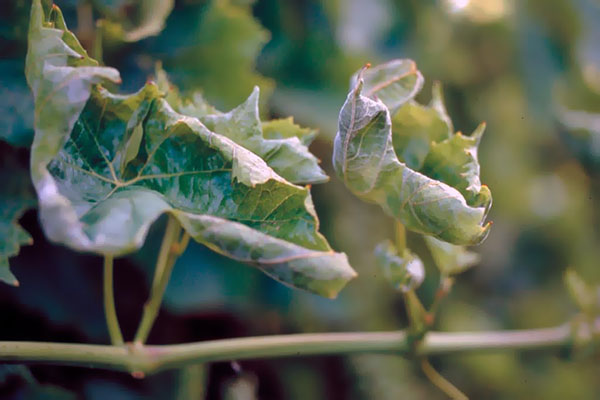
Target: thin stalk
{"type": "Point", "coordinates": [110, 312]}
{"type": "Point", "coordinates": [400, 236]}
{"type": "Point", "coordinates": [442, 383]}
{"type": "Point", "coordinates": [150, 359]}
{"type": "Point", "coordinates": [169, 251]}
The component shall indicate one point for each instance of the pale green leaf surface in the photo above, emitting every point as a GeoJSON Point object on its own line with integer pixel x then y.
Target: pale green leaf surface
{"type": "Point", "coordinates": [365, 159]}
{"type": "Point", "coordinates": [451, 259]}
{"type": "Point", "coordinates": [285, 128]}
{"type": "Point", "coordinates": [394, 82]}
{"type": "Point", "coordinates": [281, 143]}
{"type": "Point", "coordinates": [415, 127]}
{"type": "Point", "coordinates": [107, 166]}
{"type": "Point", "coordinates": [404, 271]}
{"type": "Point", "coordinates": [289, 157]}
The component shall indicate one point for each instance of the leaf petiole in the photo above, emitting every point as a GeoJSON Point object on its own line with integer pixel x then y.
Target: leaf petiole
{"type": "Point", "coordinates": [170, 249]}
{"type": "Point", "coordinates": [110, 312]}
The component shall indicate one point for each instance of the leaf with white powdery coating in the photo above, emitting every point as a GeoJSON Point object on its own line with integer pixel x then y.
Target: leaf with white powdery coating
{"type": "Point", "coordinates": [281, 143]}
{"type": "Point", "coordinates": [404, 271]}
{"type": "Point", "coordinates": [366, 160]}
{"type": "Point", "coordinates": [106, 166]}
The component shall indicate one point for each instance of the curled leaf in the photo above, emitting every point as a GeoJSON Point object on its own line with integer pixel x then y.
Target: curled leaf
{"type": "Point", "coordinates": [450, 259]}
{"type": "Point", "coordinates": [404, 271]}
{"type": "Point", "coordinates": [106, 166]}
{"type": "Point", "coordinates": [444, 199]}
{"type": "Point", "coordinates": [394, 82]}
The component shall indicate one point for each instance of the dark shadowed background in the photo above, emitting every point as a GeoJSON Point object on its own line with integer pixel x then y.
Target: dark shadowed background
{"type": "Point", "coordinates": [522, 66]}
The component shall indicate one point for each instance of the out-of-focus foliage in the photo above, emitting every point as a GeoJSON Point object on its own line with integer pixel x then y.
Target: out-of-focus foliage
{"type": "Point", "coordinates": [586, 296]}
{"type": "Point", "coordinates": [148, 19]}
{"type": "Point", "coordinates": [15, 198]}
{"type": "Point", "coordinates": [517, 65]}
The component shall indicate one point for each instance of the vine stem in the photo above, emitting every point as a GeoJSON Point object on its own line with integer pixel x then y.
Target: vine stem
{"type": "Point", "coordinates": [170, 249]}
{"type": "Point", "coordinates": [110, 312]}
{"type": "Point", "coordinates": [141, 360]}
{"type": "Point", "coordinates": [442, 383]}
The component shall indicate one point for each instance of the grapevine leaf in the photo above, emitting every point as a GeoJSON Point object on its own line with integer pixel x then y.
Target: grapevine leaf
{"type": "Point", "coordinates": [584, 295]}
{"type": "Point", "coordinates": [404, 271]}
{"type": "Point", "coordinates": [106, 166]}
{"type": "Point", "coordinates": [394, 82]}
{"type": "Point", "coordinates": [365, 159]}
{"type": "Point", "coordinates": [281, 143]}
{"type": "Point", "coordinates": [454, 162]}
{"type": "Point", "coordinates": [285, 128]}
{"type": "Point", "coordinates": [415, 127]}
{"type": "Point", "coordinates": [450, 259]}
{"type": "Point", "coordinates": [15, 198]}
{"type": "Point", "coordinates": [148, 20]}
{"type": "Point", "coordinates": [289, 157]}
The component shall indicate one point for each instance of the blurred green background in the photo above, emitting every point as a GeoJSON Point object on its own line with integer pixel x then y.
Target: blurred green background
{"type": "Point", "coordinates": [529, 68]}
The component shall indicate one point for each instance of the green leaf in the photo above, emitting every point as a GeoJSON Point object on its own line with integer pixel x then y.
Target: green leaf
{"type": "Point", "coordinates": [404, 271]}
{"type": "Point", "coordinates": [15, 198]}
{"type": "Point", "coordinates": [148, 19]}
{"type": "Point", "coordinates": [584, 295]}
{"type": "Point", "coordinates": [424, 201]}
{"type": "Point", "coordinates": [415, 127]}
{"type": "Point", "coordinates": [281, 143]}
{"type": "Point", "coordinates": [450, 259]}
{"type": "Point", "coordinates": [107, 166]}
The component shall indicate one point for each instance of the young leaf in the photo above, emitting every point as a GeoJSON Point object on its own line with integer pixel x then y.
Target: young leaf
{"type": "Point", "coordinates": [450, 259]}
{"type": "Point", "coordinates": [394, 82]}
{"type": "Point", "coordinates": [415, 127]}
{"type": "Point", "coordinates": [106, 166]}
{"type": "Point", "coordinates": [15, 198]}
{"type": "Point", "coordinates": [365, 159]}
{"type": "Point", "coordinates": [404, 271]}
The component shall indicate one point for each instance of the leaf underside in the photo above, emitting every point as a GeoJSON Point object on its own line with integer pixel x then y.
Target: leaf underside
{"type": "Point", "coordinates": [106, 166]}
{"type": "Point", "coordinates": [394, 152]}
